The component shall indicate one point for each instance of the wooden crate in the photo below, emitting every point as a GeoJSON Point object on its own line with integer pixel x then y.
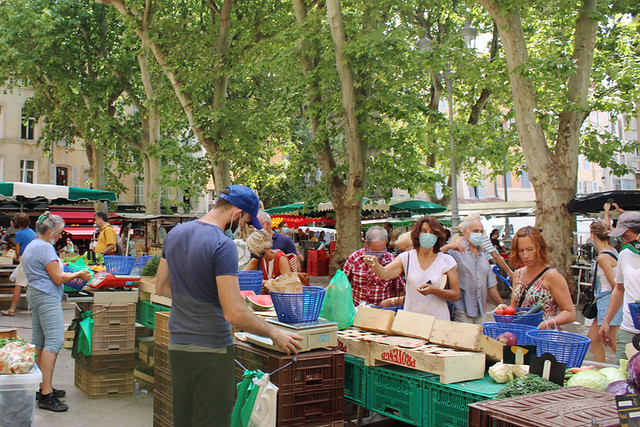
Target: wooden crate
{"type": "Point", "coordinates": [161, 331]}
{"type": "Point", "coordinates": [68, 339]}
{"type": "Point", "coordinates": [355, 342]}
{"type": "Point", "coordinates": [159, 299]}
{"type": "Point", "coordinates": [104, 385]}
{"type": "Point", "coordinates": [145, 350]}
{"type": "Point", "coordinates": [148, 284]}
{"type": "Point", "coordinates": [373, 319]}
{"type": "Point", "coordinates": [464, 336]}
{"type": "Point", "coordinates": [451, 364]}
{"type": "Point", "coordinates": [9, 333]}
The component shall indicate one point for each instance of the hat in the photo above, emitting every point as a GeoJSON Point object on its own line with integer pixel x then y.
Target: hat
{"type": "Point", "coordinates": [246, 199]}
{"type": "Point", "coordinates": [626, 221]}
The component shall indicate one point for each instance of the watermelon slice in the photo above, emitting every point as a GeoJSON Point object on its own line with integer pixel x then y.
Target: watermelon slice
{"type": "Point", "coordinates": [260, 302]}
{"type": "Point", "coordinates": [246, 293]}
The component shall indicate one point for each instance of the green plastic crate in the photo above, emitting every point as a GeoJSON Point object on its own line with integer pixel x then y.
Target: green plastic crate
{"type": "Point", "coordinates": [355, 380]}
{"type": "Point", "coordinates": [446, 405]}
{"type": "Point", "coordinates": [146, 313]}
{"type": "Point", "coordinates": [397, 393]}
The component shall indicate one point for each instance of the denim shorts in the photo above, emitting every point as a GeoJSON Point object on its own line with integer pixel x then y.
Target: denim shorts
{"type": "Point", "coordinates": [47, 320]}
{"type": "Point", "coordinates": [602, 303]}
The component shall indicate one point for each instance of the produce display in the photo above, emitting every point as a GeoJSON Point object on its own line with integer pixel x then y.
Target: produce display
{"type": "Point", "coordinates": [72, 259]}
{"type": "Point", "coordinates": [151, 268]}
{"type": "Point", "coordinates": [529, 384]}
{"type": "Point", "coordinates": [504, 372]}
{"type": "Point", "coordinates": [259, 302]}
{"type": "Point", "coordinates": [508, 338]}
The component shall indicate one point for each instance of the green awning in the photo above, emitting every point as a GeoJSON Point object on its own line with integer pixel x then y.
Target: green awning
{"type": "Point", "coordinates": [293, 207]}
{"type": "Point", "coordinates": [417, 206]}
{"type": "Point", "coordinates": [22, 192]}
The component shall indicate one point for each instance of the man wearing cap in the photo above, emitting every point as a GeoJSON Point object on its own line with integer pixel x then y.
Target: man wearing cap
{"type": "Point", "coordinates": [199, 270]}
{"type": "Point", "coordinates": [627, 288]}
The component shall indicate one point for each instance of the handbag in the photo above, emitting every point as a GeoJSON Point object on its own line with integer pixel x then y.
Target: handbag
{"type": "Point", "coordinates": [590, 310]}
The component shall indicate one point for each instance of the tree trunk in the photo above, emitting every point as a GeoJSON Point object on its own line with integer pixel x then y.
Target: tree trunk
{"type": "Point", "coordinates": [346, 198]}
{"type": "Point", "coordinates": [152, 187]}
{"type": "Point", "coordinates": [219, 158]}
{"type": "Point", "coordinates": [96, 171]}
{"type": "Point", "coordinates": [553, 172]}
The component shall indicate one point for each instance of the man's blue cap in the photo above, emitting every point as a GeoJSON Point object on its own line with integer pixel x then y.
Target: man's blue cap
{"type": "Point", "coordinates": [246, 199]}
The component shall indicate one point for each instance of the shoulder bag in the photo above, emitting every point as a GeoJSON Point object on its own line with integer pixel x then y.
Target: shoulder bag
{"type": "Point", "coordinates": [590, 310]}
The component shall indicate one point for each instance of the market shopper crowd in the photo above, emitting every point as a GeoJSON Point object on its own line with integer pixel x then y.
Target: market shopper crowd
{"type": "Point", "coordinates": [431, 272]}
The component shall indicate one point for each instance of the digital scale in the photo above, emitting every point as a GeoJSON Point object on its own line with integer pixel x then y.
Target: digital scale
{"type": "Point", "coordinates": [105, 279]}
{"type": "Point", "coordinates": [320, 333]}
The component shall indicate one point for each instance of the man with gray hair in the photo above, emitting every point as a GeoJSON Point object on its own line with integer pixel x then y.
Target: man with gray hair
{"type": "Point", "coordinates": [627, 287]}
{"type": "Point", "coordinates": [366, 287]}
{"type": "Point", "coordinates": [476, 278]}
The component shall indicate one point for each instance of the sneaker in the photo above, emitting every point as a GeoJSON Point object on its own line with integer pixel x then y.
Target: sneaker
{"type": "Point", "coordinates": [51, 403]}
{"type": "Point", "coordinates": [57, 393]}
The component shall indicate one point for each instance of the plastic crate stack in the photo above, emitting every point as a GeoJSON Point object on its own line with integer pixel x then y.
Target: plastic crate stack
{"type": "Point", "coordinates": [108, 371]}
{"type": "Point", "coordinates": [310, 389]}
{"type": "Point", "coordinates": [162, 404]}
{"type": "Point", "coordinates": [318, 263]}
{"type": "Point", "coordinates": [412, 396]}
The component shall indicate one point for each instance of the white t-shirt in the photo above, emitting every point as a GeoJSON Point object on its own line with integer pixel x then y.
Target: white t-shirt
{"type": "Point", "coordinates": [415, 277]}
{"type": "Point", "coordinates": [628, 273]}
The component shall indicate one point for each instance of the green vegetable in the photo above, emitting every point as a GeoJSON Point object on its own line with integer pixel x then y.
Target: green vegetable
{"type": "Point", "coordinates": [530, 384]}
{"type": "Point", "coordinates": [5, 341]}
{"type": "Point", "coordinates": [535, 308]}
{"type": "Point", "coordinates": [589, 378]}
{"type": "Point", "coordinates": [613, 374]}
{"type": "Point", "coordinates": [151, 268]}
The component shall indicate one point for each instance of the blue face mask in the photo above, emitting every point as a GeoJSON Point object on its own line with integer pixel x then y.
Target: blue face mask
{"type": "Point", "coordinates": [286, 230]}
{"type": "Point", "coordinates": [475, 239]}
{"type": "Point", "coordinates": [427, 240]}
{"type": "Point", "coordinates": [376, 254]}
{"type": "Point", "coordinates": [232, 234]}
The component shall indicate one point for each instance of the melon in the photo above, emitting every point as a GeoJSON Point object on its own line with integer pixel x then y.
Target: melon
{"type": "Point", "coordinates": [260, 302]}
{"type": "Point", "coordinates": [246, 293]}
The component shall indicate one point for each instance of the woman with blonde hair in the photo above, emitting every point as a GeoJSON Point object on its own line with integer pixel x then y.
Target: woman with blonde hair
{"type": "Point", "coordinates": [603, 285]}
{"type": "Point", "coordinates": [272, 262]}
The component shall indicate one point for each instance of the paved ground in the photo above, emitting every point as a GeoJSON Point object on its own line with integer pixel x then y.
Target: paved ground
{"type": "Point", "coordinates": [138, 409]}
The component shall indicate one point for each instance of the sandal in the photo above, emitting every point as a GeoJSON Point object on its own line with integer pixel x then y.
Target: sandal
{"type": "Point", "coordinates": [8, 313]}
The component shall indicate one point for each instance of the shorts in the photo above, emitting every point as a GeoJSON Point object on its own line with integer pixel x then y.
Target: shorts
{"type": "Point", "coordinates": [47, 321]}
{"type": "Point", "coordinates": [602, 304]}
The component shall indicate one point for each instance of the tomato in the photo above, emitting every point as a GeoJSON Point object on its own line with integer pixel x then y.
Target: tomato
{"type": "Point", "coordinates": [499, 311]}
{"type": "Point", "coordinates": [510, 311]}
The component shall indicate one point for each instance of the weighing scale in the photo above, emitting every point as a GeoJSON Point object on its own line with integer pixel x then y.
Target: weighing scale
{"type": "Point", "coordinates": [320, 333]}
{"type": "Point", "coordinates": [105, 279]}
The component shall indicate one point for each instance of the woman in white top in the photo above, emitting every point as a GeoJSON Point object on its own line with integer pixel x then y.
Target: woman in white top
{"type": "Point", "coordinates": [602, 287]}
{"type": "Point", "coordinates": [425, 268]}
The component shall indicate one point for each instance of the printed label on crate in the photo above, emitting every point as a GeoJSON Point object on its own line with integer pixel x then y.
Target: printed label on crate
{"type": "Point", "coordinates": [628, 410]}
{"type": "Point", "coordinates": [398, 357]}
{"type": "Point", "coordinates": [341, 346]}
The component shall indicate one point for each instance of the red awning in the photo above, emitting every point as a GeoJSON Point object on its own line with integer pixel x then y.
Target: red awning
{"type": "Point", "coordinates": [87, 232]}
{"type": "Point", "coordinates": [80, 232]}
{"type": "Point", "coordinates": [75, 217]}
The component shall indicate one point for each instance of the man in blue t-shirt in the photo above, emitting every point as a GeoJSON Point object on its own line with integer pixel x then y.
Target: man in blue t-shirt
{"type": "Point", "coordinates": [199, 271]}
{"type": "Point", "coordinates": [280, 241]}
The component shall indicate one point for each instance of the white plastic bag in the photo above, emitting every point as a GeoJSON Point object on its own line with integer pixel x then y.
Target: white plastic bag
{"type": "Point", "coordinates": [18, 276]}
{"type": "Point", "coordinates": [266, 405]}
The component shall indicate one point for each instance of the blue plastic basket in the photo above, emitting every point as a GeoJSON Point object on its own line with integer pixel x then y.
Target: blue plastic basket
{"type": "Point", "coordinates": [524, 319]}
{"type": "Point", "coordinates": [634, 310]}
{"type": "Point", "coordinates": [566, 347]}
{"type": "Point", "coordinates": [76, 283]}
{"type": "Point", "coordinates": [249, 274]}
{"type": "Point", "coordinates": [250, 280]}
{"type": "Point", "coordinates": [119, 264]}
{"type": "Point", "coordinates": [141, 261]}
{"type": "Point", "coordinates": [494, 330]}
{"type": "Point", "coordinates": [298, 307]}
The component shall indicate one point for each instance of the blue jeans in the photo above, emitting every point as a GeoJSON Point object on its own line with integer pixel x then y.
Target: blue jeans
{"type": "Point", "coordinates": [47, 321]}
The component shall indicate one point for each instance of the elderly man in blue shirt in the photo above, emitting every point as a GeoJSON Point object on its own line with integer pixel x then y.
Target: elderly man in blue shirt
{"type": "Point", "coordinates": [476, 278]}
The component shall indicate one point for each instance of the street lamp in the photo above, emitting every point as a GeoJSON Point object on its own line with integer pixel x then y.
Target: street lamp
{"type": "Point", "coordinates": [469, 35]}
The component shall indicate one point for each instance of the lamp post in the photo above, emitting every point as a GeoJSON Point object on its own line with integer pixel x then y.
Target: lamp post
{"type": "Point", "coordinates": [469, 35]}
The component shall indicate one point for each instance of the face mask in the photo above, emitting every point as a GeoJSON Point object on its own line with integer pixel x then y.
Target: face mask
{"type": "Point", "coordinates": [427, 240]}
{"type": "Point", "coordinates": [96, 227]}
{"type": "Point", "coordinates": [475, 239]}
{"type": "Point", "coordinates": [286, 230]}
{"type": "Point", "coordinates": [376, 254]}
{"type": "Point", "coordinates": [232, 234]}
